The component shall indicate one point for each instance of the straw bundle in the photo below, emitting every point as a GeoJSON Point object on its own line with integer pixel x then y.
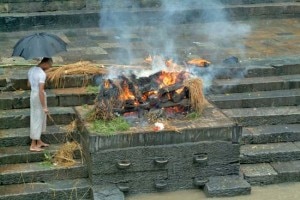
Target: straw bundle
{"type": "Point", "coordinates": [65, 154]}
{"type": "Point", "coordinates": [70, 128]}
{"type": "Point", "coordinates": [56, 74]}
{"type": "Point", "coordinates": [197, 99]}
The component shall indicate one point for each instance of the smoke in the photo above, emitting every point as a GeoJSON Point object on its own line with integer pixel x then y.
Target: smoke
{"type": "Point", "coordinates": [176, 29]}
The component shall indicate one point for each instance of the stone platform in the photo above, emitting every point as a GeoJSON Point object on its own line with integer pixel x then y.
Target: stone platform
{"type": "Point", "coordinates": [183, 156]}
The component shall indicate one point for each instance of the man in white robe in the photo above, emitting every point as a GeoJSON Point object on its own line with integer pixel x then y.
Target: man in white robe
{"type": "Point", "coordinates": [38, 103]}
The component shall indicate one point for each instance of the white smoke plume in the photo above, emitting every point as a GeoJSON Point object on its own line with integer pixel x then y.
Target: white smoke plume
{"type": "Point", "coordinates": [188, 25]}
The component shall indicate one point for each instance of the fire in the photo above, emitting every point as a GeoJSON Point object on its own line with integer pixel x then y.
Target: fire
{"type": "Point", "coordinates": [167, 78]}
{"type": "Point", "coordinates": [148, 94]}
{"type": "Point", "coordinates": [106, 84]}
{"type": "Point", "coordinates": [126, 93]}
{"type": "Point", "coordinates": [199, 62]}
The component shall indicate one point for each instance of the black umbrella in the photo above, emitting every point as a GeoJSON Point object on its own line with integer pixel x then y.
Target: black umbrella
{"type": "Point", "coordinates": [39, 45]}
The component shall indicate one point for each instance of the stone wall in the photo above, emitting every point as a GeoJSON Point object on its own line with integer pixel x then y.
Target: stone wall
{"type": "Point", "coordinates": [27, 6]}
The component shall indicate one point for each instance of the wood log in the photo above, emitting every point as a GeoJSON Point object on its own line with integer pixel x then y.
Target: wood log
{"type": "Point", "coordinates": [183, 102]}
{"type": "Point", "coordinates": [170, 88]}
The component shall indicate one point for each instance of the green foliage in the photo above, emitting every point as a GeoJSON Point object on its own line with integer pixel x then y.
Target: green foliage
{"type": "Point", "coordinates": [92, 89]}
{"type": "Point", "coordinates": [47, 159]}
{"type": "Point", "coordinates": [193, 115]}
{"type": "Point", "coordinates": [110, 127]}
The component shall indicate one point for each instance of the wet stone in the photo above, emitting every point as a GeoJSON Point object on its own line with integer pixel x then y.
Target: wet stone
{"type": "Point", "coordinates": [269, 152]}
{"type": "Point", "coordinates": [287, 171]}
{"type": "Point", "coordinates": [221, 186]}
{"type": "Point", "coordinates": [259, 174]}
{"type": "Point", "coordinates": [107, 192]}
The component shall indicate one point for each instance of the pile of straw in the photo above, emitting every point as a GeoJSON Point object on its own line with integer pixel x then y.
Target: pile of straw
{"type": "Point", "coordinates": [197, 99]}
{"type": "Point", "coordinates": [56, 74]}
{"type": "Point", "coordinates": [65, 154]}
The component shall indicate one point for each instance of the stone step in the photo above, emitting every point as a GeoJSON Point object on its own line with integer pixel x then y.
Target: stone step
{"type": "Point", "coordinates": [256, 99]}
{"type": "Point", "coordinates": [271, 134]}
{"type": "Point", "coordinates": [266, 153]}
{"type": "Point", "coordinates": [21, 154]}
{"type": "Point", "coordinates": [55, 97]}
{"type": "Point", "coordinates": [271, 173]}
{"type": "Point", "coordinates": [40, 172]}
{"type": "Point", "coordinates": [20, 118]}
{"type": "Point", "coordinates": [259, 174]}
{"type": "Point", "coordinates": [57, 189]}
{"type": "Point", "coordinates": [152, 16]}
{"type": "Point", "coordinates": [18, 80]}
{"type": "Point", "coordinates": [20, 136]}
{"type": "Point", "coordinates": [264, 115]}
{"type": "Point", "coordinates": [255, 84]}
{"type": "Point", "coordinates": [254, 70]}
{"type": "Point", "coordinates": [226, 186]}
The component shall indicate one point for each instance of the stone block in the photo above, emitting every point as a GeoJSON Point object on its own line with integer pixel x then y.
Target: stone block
{"type": "Point", "coordinates": [107, 192]}
{"type": "Point", "coordinates": [259, 174]}
{"type": "Point", "coordinates": [259, 153]}
{"type": "Point", "coordinates": [6, 103]}
{"type": "Point", "coordinates": [287, 171]}
{"type": "Point", "coordinates": [222, 186]}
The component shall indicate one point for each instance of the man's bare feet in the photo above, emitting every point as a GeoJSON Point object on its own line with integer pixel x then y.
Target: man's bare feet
{"type": "Point", "coordinates": [42, 144]}
{"type": "Point", "coordinates": [36, 149]}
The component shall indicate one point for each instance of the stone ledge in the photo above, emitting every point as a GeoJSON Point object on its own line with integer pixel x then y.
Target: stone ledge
{"type": "Point", "coordinates": [259, 174]}
{"type": "Point", "coordinates": [221, 186]}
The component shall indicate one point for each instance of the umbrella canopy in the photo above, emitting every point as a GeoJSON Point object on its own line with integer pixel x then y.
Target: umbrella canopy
{"type": "Point", "coordinates": [39, 45]}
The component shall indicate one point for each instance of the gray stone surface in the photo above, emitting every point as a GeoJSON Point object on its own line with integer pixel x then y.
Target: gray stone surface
{"type": "Point", "coordinates": [226, 186]}
{"type": "Point", "coordinates": [39, 172]}
{"type": "Point", "coordinates": [164, 167]}
{"type": "Point", "coordinates": [257, 99]}
{"type": "Point", "coordinates": [264, 115]}
{"type": "Point", "coordinates": [20, 136]}
{"type": "Point", "coordinates": [19, 118]}
{"type": "Point", "coordinates": [258, 153]}
{"type": "Point", "coordinates": [259, 174]}
{"type": "Point", "coordinates": [212, 125]}
{"type": "Point", "coordinates": [287, 171]}
{"type": "Point", "coordinates": [254, 84]}
{"type": "Point", "coordinates": [107, 192]}
{"type": "Point", "coordinates": [271, 134]}
{"type": "Point", "coordinates": [21, 154]}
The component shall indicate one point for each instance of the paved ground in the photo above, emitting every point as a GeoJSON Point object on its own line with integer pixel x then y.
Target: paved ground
{"type": "Point", "coordinates": [277, 39]}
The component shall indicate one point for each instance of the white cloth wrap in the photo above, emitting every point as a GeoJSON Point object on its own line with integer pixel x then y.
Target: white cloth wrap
{"type": "Point", "coordinates": [38, 117]}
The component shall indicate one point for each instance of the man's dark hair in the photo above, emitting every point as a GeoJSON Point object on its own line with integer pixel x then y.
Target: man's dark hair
{"type": "Point", "coordinates": [47, 60]}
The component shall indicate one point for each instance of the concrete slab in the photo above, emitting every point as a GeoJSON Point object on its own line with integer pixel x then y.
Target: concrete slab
{"type": "Point", "coordinates": [271, 134]}
{"type": "Point", "coordinates": [259, 174]}
{"type": "Point", "coordinates": [259, 153]}
{"type": "Point", "coordinates": [226, 186]}
{"type": "Point", "coordinates": [287, 171]}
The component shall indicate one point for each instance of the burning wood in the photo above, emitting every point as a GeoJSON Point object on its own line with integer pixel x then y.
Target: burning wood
{"type": "Point", "coordinates": [199, 62]}
{"type": "Point", "coordinates": [170, 91]}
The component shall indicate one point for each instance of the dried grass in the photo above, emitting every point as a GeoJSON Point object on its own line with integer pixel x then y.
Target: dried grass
{"type": "Point", "coordinates": [103, 111]}
{"type": "Point", "coordinates": [70, 128]}
{"type": "Point", "coordinates": [65, 154]}
{"type": "Point", "coordinates": [56, 75]}
{"type": "Point", "coordinates": [197, 98]}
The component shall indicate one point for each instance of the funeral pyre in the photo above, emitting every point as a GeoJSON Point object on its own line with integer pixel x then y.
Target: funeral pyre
{"type": "Point", "coordinates": [169, 93]}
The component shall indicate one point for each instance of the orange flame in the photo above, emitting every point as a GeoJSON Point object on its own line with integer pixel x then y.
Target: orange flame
{"type": "Point", "coordinates": [126, 93]}
{"type": "Point", "coordinates": [148, 94]}
{"type": "Point", "coordinates": [167, 78]}
{"type": "Point", "coordinates": [106, 84]}
{"type": "Point", "coordinates": [199, 62]}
